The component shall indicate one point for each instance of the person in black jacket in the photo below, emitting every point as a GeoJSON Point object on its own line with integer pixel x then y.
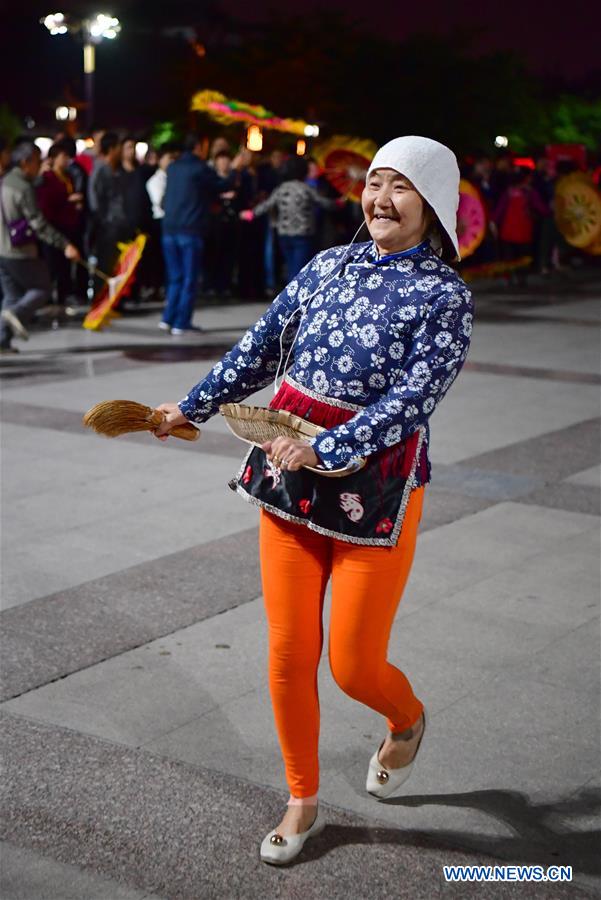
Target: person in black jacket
{"type": "Point", "coordinates": [113, 221]}
{"type": "Point", "coordinates": [192, 185]}
{"type": "Point", "coordinates": [222, 236]}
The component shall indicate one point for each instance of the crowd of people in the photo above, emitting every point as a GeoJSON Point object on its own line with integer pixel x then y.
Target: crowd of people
{"type": "Point", "coordinates": [519, 202]}
{"type": "Point", "coordinates": [218, 220]}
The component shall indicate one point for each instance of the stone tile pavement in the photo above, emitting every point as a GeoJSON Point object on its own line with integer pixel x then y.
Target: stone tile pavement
{"type": "Point", "coordinates": [140, 753]}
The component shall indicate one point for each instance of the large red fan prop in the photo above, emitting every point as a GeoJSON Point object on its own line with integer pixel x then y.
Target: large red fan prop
{"type": "Point", "coordinates": [117, 286]}
{"type": "Point", "coordinates": [345, 161]}
{"type": "Point", "coordinates": [471, 218]}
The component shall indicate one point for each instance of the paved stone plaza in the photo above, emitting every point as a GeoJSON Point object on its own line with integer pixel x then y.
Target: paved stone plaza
{"type": "Point", "coordinates": [141, 758]}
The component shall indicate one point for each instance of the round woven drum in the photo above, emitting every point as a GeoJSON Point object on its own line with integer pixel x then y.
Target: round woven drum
{"type": "Point", "coordinates": [578, 210]}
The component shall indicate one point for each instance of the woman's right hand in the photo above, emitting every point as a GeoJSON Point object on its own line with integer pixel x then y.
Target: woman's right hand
{"type": "Point", "coordinates": [173, 416]}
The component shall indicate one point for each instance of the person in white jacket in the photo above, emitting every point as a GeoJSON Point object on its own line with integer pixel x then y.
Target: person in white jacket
{"type": "Point", "coordinates": [156, 183]}
{"type": "Point", "coordinates": [155, 187]}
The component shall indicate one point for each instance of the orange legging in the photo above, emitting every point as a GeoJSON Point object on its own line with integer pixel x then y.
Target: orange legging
{"type": "Point", "coordinates": [367, 584]}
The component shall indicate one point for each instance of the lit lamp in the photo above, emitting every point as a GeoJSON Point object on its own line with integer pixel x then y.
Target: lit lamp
{"type": "Point", "coordinates": [254, 138]}
{"type": "Point", "coordinates": [43, 144]}
{"type": "Point", "coordinates": [141, 150]}
{"type": "Point", "coordinates": [93, 31]}
{"type": "Point", "coordinates": [310, 131]}
{"type": "Point", "coordinates": [65, 113]}
{"type": "Point", "coordinates": [55, 23]}
{"type": "Point", "coordinates": [83, 144]}
{"type": "Point", "coordinates": [501, 141]}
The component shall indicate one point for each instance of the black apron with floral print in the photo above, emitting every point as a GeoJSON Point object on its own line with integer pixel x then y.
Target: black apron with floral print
{"type": "Point", "coordinates": [365, 507]}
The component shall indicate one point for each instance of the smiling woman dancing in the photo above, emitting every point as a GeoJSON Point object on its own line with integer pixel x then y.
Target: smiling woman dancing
{"type": "Point", "coordinates": [375, 334]}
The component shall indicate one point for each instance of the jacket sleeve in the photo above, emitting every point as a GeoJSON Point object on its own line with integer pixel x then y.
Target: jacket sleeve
{"type": "Point", "coordinates": [213, 183]}
{"type": "Point", "coordinates": [156, 189]}
{"type": "Point", "coordinates": [438, 351]}
{"type": "Point", "coordinates": [268, 204]}
{"type": "Point", "coordinates": [101, 193]}
{"type": "Point", "coordinates": [252, 363]}
{"type": "Point", "coordinates": [44, 195]}
{"type": "Point", "coordinates": [42, 227]}
{"type": "Point", "coordinates": [324, 202]}
{"type": "Point", "coordinates": [92, 196]}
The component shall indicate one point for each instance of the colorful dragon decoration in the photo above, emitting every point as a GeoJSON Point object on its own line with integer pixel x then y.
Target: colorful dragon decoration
{"type": "Point", "coordinates": [230, 112]}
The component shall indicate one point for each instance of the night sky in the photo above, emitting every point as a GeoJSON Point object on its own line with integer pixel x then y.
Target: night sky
{"type": "Point", "coordinates": [566, 43]}
{"type": "Point", "coordinates": [36, 70]}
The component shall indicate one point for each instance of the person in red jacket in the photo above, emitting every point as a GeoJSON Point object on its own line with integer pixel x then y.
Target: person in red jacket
{"type": "Point", "coordinates": [63, 207]}
{"type": "Point", "coordinates": [515, 216]}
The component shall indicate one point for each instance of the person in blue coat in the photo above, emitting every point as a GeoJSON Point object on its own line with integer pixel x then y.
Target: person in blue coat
{"type": "Point", "coordinates": [192, 185]}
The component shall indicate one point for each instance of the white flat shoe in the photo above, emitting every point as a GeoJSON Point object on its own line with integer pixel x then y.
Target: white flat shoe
{"type": "Point", "coordinates": [382, 782]}
{"type": "Point", "coordinates": [278, 851]}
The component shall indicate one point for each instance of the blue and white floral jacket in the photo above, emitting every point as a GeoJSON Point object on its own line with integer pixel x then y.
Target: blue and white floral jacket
{"type": "Point", "coordinates": [387, 334]}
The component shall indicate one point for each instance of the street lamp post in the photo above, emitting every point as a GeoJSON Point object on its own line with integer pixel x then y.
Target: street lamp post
{"type": "Point", "coordinates": [89, 67]}
{"type": "Point", "coordinates": [92, 31]}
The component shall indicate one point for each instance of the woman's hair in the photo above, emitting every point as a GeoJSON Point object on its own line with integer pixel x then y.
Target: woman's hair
{"type": "Point", "coordinates": [23, 151]}
{"type": "Point", "coordinates": [130, 139]}
{"type": "Point", "coordinates": [65, 145]}
{"type": "Point", "coordinates": [168, 147]}
{"type": "Point", "coordinates": [437, 236]}
{"type": "Point", "coordinates": [295, 169]}
{"type": "Point", "coordinates": [108, 142]}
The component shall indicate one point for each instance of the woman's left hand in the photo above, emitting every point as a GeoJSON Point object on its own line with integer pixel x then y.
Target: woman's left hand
{"type": "Point", "coordinates": [290, 454]}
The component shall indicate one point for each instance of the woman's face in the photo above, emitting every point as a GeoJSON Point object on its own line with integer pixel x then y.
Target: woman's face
{"type": "Point", "coordinates": [61, 161]}
{"type": "Point", "coordinates": [394, 211]}
{"type": "Point", "coordinates": [218, 145]}
{"type": "Point", "coordinates": [129, 151]}
{"type": "Point", "coordinates": [165, 160]}
{"type": "Point", "coordinates": [223, 165]}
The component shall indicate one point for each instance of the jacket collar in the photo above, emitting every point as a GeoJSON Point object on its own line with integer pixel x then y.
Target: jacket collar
{"type": "Point", "coordinates": [367, 255]}
{"type": "Point", "coordinates": [402, 254]}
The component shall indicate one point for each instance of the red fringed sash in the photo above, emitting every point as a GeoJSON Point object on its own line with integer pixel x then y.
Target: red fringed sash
{"type": "Point", "coordinates": [315, 411]}
{"type": "Point", "coordinates": [393, 461]}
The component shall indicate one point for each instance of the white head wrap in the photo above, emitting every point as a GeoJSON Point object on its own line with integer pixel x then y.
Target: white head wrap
{"type": "Point", "coordinates": [432, 169]}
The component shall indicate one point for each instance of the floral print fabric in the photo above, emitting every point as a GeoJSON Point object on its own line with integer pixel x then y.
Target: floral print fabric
{"type": "Point", "coordinates": [387, 334]}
